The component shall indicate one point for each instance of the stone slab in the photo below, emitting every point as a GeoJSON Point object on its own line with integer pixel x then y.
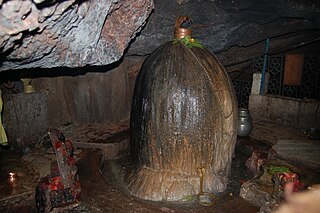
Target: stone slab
{"type": "Point", "coordinates": [284, 110]}
{"type": "Point", "coordinates": [112, 139]}
{"type": "Point", "coordinates": [109, 150]}
{"type": "Point", "coordinates": [304, 152]}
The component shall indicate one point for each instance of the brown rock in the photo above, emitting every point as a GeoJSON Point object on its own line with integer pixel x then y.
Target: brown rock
{"type": "Point", "coordinates": [68, 33]}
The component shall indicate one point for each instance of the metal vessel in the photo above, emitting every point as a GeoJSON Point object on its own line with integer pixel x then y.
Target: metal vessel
{"type": "Point", "coordinates": [244, 122]}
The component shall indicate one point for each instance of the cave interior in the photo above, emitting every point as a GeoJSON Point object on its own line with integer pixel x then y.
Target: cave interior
{"type": "Point", "coordinates": [71, 89]}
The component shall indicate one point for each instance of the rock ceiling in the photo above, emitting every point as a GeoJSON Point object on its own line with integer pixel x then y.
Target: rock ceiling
{"type": "Point", "coordinates": [70, 33]}
{"type": "Point", "coordinates": [76, 33]}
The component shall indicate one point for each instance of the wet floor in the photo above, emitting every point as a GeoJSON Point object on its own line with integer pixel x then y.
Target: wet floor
{"type": "Point", "coordinates": [107, 194]}
{"type": "Point", "coordinates": [18, 180]}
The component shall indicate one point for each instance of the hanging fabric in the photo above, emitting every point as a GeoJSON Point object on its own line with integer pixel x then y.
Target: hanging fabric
{"type": "Point", "coordinates": [3, 136]}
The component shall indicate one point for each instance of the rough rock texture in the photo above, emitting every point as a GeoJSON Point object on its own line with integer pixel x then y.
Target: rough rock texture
{"type": "Point", "coordinates": [68, 33]}
{"type": "Point", "coordinates": [234, 30]}
{"type": "Point", "coordinates": [25, 119]}
{"type": "Point", "coordinates": [75, 33]}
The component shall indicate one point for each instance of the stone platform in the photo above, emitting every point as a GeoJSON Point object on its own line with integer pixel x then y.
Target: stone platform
{"type": "Point", "coordinates": [112, 139]}
{"type": "Point", "coordinates": [299, 152]}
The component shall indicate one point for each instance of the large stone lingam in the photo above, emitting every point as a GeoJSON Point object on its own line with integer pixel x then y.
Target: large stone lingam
{"type": "Point", "coordinates": [183, 117]}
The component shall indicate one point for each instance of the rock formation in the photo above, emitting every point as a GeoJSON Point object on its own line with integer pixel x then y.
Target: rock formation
{"type": "Point", "coordinates": [70, 33]}
{"type": "Point", "coordinates": [75, 33]}
{"type": "Point", "coordinates": [235, 31]}
{"type": "Point", "coordinates": [183, 119]}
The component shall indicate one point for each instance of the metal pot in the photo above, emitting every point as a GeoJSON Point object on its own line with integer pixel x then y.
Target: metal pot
{"type": "Point", "coordinates": [244, 122]}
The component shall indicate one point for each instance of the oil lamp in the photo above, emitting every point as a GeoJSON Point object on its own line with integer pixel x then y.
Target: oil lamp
{"type": "Point", "coordinates": [12, 177]}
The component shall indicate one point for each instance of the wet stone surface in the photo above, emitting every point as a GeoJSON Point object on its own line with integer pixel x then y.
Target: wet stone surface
{"type": "Point", "coordinates": [103, 189]}
{"type": "Point", "coordinates": [113, 173]}
{"type": "Point", "coordinates": [105, 192]}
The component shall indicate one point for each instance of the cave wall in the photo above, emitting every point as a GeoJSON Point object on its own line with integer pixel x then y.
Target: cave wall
{"type": "Point", "coordinates": [99, 95]}
{"type": "Point", "coordinates": [90, 95]}
{"type": "Point", "coordinates": [25, 119]}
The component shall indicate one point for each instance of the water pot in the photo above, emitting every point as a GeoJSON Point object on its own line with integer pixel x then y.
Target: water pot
{"type": "Point", "coordinates": [244, 122]}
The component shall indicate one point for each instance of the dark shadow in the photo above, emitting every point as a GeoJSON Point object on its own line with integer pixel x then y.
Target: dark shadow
{"type": "Point", "coordinates": [16, 75]}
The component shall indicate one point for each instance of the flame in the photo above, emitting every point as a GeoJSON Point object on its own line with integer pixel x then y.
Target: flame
{"type": "Point", "coordinates": [12, 177]}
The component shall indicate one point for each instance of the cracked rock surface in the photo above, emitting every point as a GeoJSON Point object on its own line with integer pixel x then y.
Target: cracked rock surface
{"type": "Point", "coordinates": [70, 33]}
{"type": "Point", "coordinates": [75, 33]}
